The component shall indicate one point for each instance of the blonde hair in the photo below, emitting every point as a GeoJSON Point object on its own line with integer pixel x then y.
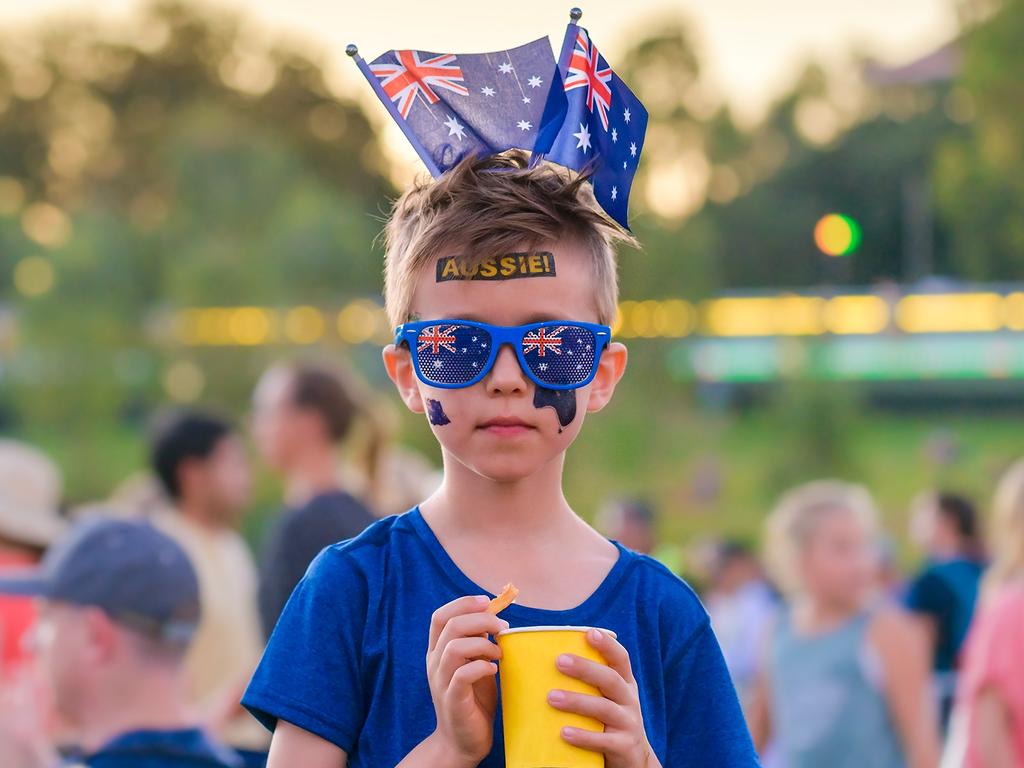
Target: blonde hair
{"type": "Point", "coordinates": [799, 513]}
{"type": "Point", "coordinates": [1007, 528]}
{"type": "Point", "coordinates": [489, 207]}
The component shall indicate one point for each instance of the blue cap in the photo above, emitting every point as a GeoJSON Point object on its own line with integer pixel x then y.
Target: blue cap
{"type": "Point", "coordinates": [137, 575]}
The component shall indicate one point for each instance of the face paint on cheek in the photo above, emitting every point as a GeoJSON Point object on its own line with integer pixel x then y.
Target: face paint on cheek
{"type": "Point", "coordinates": [562, 400]}
{"type": "Point", "coordinates": [436, 414]}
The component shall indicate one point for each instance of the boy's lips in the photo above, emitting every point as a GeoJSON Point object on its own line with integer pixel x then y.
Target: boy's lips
{"type": "Point", "coordinates": [506, 426]}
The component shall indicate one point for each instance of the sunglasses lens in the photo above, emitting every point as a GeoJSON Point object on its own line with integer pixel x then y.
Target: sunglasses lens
{"type": "Point", "coordinates": [560, 355]}
{"type": "Point", "coordinates": [452, 354]}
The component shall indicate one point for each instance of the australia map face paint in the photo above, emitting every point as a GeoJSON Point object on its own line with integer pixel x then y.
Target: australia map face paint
{"type": "Point", "coordinates": [436, 414]}
{"type": "Point", "coordinates": [562, 400]}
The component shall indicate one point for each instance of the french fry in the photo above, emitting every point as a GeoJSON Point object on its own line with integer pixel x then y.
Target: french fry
{"type": "Point", "coordinates": [508, 596]}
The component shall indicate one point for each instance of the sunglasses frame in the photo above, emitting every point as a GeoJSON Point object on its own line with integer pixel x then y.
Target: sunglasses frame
{"type": "Point", "coordinates": [501, 335]}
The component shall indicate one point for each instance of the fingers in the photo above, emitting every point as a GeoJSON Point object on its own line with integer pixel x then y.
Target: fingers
{"type": "Point", "coordinates": [611, 744]}
{"type": "Point", "coordinates": [469, 674]}
{"type": "Point", "coordinates": [469, 625]}
{"type": "Point", "coordinates": [608, 681]}
{"type": "Point", "coordinates": [613, 652]}
{"type": "Point", "coordinates": [448, 611]}
{"type": "Point", "coordinates": [597, 707]}
{"type": "Point", "coordinates": [462, 650]}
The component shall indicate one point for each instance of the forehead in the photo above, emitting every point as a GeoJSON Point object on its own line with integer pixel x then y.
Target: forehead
{"type": "Point", "coordinates": [510, 289]}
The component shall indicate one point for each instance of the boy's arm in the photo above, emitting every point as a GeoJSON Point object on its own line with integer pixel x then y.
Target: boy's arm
{"type": "Point", "coordinates": [293, 746]}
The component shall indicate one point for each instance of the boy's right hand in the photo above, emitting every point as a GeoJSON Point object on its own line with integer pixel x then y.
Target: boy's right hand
{"type": "Point", "coordinates": [461, 672]}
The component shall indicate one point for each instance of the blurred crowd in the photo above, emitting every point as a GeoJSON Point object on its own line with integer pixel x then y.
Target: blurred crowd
{"type": "Point", "coordinates": [129, 627]}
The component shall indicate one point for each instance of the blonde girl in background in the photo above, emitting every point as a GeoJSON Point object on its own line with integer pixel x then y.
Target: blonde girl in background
{"type": "Point", "coordinates": [845, 678]}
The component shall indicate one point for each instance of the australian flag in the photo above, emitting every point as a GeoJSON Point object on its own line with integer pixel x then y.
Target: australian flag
{"type": "Point", "coordinates": [604, 124]}
{"type": "Point", "coordinates": [453, 105]}
{"type": "Point", "coordinates": [576, 113]}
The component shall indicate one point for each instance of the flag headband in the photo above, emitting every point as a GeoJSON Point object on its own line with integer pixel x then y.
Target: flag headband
{"type": "Point", "coordinates": [575, 111]}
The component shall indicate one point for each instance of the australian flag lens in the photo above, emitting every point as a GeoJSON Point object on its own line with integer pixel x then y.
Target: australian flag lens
{"type": "Point", "coordinates": [560, 355]}
{"type": "Point", "coordinates": [452, 354]}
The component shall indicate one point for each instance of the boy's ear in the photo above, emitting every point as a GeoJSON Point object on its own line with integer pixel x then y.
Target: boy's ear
{"type": "Point", "coordinates": [609, 371]}
{"type": "Point", "coordinates": [398, 364]}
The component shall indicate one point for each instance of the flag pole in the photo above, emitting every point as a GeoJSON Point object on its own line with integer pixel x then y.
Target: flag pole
{"type": "Point", "coordinates": [353, 53]}
{"type": "Point", "coordinates": [568, 43]}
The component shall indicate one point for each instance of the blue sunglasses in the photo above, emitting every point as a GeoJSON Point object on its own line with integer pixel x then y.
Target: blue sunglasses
{"type": "Point", "coordinates": [451, 354]}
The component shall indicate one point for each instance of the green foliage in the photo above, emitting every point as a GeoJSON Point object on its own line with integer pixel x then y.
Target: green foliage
{"type": "Point", "coordinates": [980, 176]}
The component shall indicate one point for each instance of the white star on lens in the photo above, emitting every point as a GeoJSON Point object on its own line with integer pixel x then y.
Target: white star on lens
{"type": "Point", "coordinates": [505, 68]}
{"type": "Point", "coordinates": [473, 339]}
{"type": "Point", "coordinates": [534, 82]}
{"type": "Point", "coordinates": [632, 149]}
{"type": "Point", "coordinates": [542, 367]}
{"type": "Point", "coordinates": [588, 347]}
{"type": "Point", "coordinates": [474, 365]}
{"type": "Point", "coordinates": [584, 138]}
{"type": "Point", "coordinates": [526, 99]}
{"type": "Point", "coordinates": [579, 367]}
{"type": "Point", "coordinates": [483, 346]}
{"type": "Point", "coordinates": [463, 349]}
{"type": "Point", "coordinates": [437, 363]}
{"type": "Point", "coordinates": [570, 351]}
{"type": "Point", "coordinates": [615, 192]}
{"type": "Point", "coordinates": [524, 125]}
{"type": "Point", "coordinates": [487, 91]}
{"type": "Point", "coordinates": [625, 115]}
{"type": "Point", "coordinates": [623, 165]}
{"type": "Point", "coordinates": [615, 134]}
{"type": "Point", "coordinates": [455, 128]}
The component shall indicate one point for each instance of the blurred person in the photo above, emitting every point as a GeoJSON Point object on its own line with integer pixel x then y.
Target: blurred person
{"type": "Point", "coordinates": [889, 577]}
{"type": "Point", "coordinates": [941, 597]}
{"type": "Point", "coordinates": [845, 681]}
{"type": "Point", "coordinates": [990, 700]}
{"type": "Point", "coordinates": [742, 606]}
{"type": "Point", "coordinates": [119, 605]}
{"type": "Point", "coordinates": [203, 468]}
{"type": "Point", "coordinates": [630, 522]}
{"type": "Point", "coordinates": [30, 520]}
{"type": "Point", "coordinates": [301, 414]}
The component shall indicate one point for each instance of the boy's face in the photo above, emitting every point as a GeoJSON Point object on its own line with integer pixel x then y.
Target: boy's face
{"type": "Point", "coordinates": [504, 427]}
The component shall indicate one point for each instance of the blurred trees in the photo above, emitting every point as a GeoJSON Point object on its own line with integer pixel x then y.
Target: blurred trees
{"type": "Point", "coordinates": [197, 165]}
{"type": "Point", "coordinates": [980, 175]}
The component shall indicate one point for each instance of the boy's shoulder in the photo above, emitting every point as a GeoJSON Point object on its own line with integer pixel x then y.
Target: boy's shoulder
{"type": "Point", "coordinates": [656, 578]}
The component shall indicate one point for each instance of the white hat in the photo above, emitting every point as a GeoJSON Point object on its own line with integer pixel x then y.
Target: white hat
{"type": "Point", "coordinates": [30, 489]}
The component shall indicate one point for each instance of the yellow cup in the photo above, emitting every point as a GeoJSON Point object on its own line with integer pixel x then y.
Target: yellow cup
{"type": "Point", "coordinates": [532, 726]}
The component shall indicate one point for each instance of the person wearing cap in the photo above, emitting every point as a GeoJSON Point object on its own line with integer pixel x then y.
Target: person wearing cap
{"type": "Point", "coordinates": [119, 605]}
{"type": "Point", "coordinates": [30, 520]}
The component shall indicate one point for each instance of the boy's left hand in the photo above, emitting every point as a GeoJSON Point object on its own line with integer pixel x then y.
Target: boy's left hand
{"type": "Point", "coordinates": [624, 741]}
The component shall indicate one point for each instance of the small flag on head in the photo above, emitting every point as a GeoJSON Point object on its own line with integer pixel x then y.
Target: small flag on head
{"type": "Point", "coordinates": [576, 112]}
{"type": "Point", "coordinates": [604, 124]}
{"type": "Point", "coordinates": [451, 106]}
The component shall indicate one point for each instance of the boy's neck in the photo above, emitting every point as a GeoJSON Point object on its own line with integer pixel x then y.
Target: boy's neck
{"type": "Point", "coordinates": [475, 506]}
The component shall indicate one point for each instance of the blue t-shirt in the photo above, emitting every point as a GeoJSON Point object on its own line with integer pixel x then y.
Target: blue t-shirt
{"type": "Point", "coordinates": [347, 658]}
{"type": "Point", "coordinates": [183, 748]}
{"type": "Point", "coordinates": [946, 591]}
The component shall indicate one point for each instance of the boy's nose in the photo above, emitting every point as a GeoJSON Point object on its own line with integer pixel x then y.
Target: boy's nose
{"type": "Point", "coordinates": [506, 377]}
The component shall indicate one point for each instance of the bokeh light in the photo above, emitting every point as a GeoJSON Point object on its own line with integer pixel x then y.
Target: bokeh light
{"type": "Point", "coordinates": [33, 276]}
{"type": "Point", "coordinates": [837, 235]}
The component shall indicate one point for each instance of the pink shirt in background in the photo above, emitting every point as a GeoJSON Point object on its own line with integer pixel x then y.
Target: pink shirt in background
{"type": "Point", "coordinates": [993, 659]}
{"type": "Point", "coordinates": [16, 616]}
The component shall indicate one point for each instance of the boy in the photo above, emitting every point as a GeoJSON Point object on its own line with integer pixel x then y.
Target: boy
{"type": "Point", "coordinates": [494, 242]}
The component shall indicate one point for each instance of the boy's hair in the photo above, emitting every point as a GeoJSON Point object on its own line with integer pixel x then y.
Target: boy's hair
{"type": "Point", "coordinates": [180, 436]}
{"type": "Point", "coordinates": [491, 206]}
